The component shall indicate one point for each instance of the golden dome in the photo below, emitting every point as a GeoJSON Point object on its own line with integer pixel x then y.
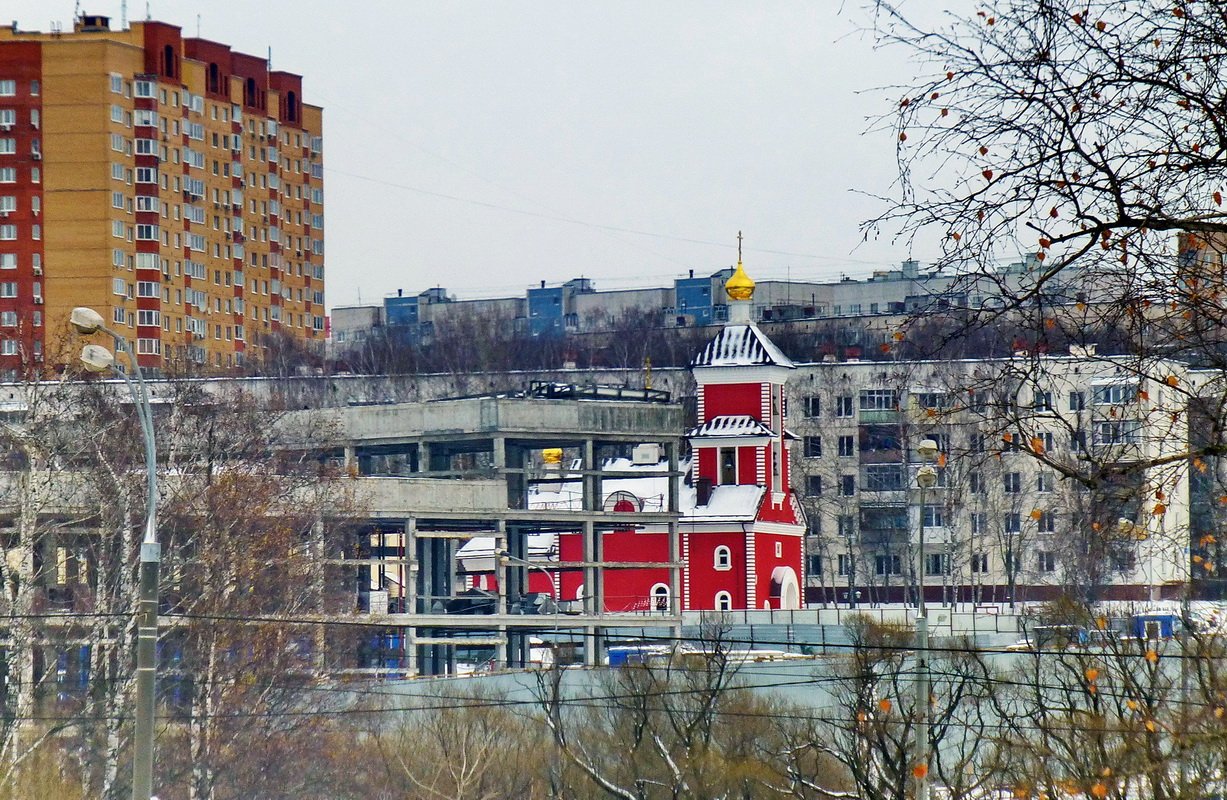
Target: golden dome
{"type": "Point", "coordinates": [739, 286]}
{"type": "Point", "coordinates": [552, 455]}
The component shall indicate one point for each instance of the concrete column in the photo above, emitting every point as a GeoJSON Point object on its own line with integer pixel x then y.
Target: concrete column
{"type": "Point", "coordinates": [351, 461]}
{"type": "Point", "coordinates": [423, 456]}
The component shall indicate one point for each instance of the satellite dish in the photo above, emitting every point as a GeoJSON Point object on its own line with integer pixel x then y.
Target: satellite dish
{"type": "Point", "coordinates": [622, 502]}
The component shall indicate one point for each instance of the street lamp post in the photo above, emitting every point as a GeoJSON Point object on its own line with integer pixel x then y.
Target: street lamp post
{"type": "Point", "coordinates": [926, 478]}
{"type": "Point", "coordinates": [97, 358]}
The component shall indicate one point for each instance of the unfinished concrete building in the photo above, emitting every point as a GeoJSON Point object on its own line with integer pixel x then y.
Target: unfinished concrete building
{"type": "Point", "coordinates": [432, 476]}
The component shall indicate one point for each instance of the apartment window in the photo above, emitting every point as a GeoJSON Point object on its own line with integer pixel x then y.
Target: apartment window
{"type": "Point", "coordinates": [847, 446]}
{"type": "Point", "coordinates": [933, 517]}
{"type": "Point", "coordinates": [8, 175]}
{"type": "Point", "coordinates": [8, 319]}
{"type": "Point", "coordinates": [119, 287]}
{"type": "Point", "coordinates": [8, 261]}
{"type": "Point", "coordinates": [1042, 401]}
{"type": "Point", "coordinates": [117, 83]}
{"type": "Point", "coordinates": [147, 233]}
{"type": "Point", "coordinates": [888, 565]}
{"type": "Point", "coordinates": [1077, 401]}
{"type": "Point", "coordinates": [723, 558]}
{"type": "Point", "coordinates": [118, 316]}
{"type": "Point", "coordinates": [1046, 561]}
{"type": "Point", "coordinates": [812, 404]}
{"type": "Point", "coordinates": [149, 346]}
{"type": "Point", "coordinates": [1046, 522]}
{"type": "Point", "coordinates": [1114, 394]}
{"type": "Point", "coordinates": [1013, 482]}
{"type": "Point", "coordinates": [979, 522]}
{"type": "Point", "coordinates": [1045, 441]}
{"type": "Point", "coordinates": [8, 347]}
{"type": "Point", "coordinates": [879, 400]}
{"type": "Point", "coordinates": [1012, 522]}
{"type": "Point", "coordinates": [979, 563]}
{"type": "Point", "coordinates": [146, 175]}
{"type": "Point", "coordinates": [34, 88]}
{"type": "Point", "coordinates": [937, 564]}
{"type": "Point", "coordinates": [8, 117]}
{"type": "Point", "coordinates": [1043, 482]}
{"type": "Point", "coordinates": [847, 485]}
{"type": "Point", "coordinates": [813, 447]}
{"type": "Point", "coordinates": [147, 289]}
{"type": "Point", "coordinates": [844, 565]}
{"type": "Point", "coordinates": [35, 175]}
{"type": "Point", "coordinates": [976, 483]}
{"type": "Point", "coordinates": [148, 318]}
{"type": "Point", "coordinates": [847, 525]}
{"type": "Point", "coordinates": [1077, 441]}
{"type": "Point", "coordinates": [813, 485]}
{"type": "Point", "coordinates": [843, 406]}
{"type": "Point", "coordinates": [932, 400]}
{"type": "Point", "coordinates": [36, 231]}
{"type": "Point", "coordinates": [8, 146]}
{"type": "Point", "coordinates": [8, 288]}
{"type": "Point", "coordinates": [8, 233]}
{"type": "Point", "coordinates": [8, 88]}
{"type": "Point", "coordinates": [1110, 432]}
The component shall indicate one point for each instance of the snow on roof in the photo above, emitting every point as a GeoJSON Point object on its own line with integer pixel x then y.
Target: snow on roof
{"type": "Point", "coordinates": [541, 547]}
{"type": "Point", "coordinates": [726, 503]}
{"type": "Point", "coordinates": [741, 346]}
{"type": "Point", "coordinates": [730, 426]}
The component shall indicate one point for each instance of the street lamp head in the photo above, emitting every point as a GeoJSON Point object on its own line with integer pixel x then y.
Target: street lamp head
{"type": "Point", "coordinates": [926, 477]}
{"type": "Point", "coordinates": [86, 320]}
{"type": "Point", "coordinates": [97, 358]}
{"type": "Point", "coordinates": [927, 450]}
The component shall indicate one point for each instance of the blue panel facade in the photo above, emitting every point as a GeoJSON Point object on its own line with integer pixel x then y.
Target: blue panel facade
{"type": "Point", "coordinates": [401, 311]}
{"type": "Point", "coordinates": [545, 311]}
{"type": "Point", "coordinates": [693, 296]}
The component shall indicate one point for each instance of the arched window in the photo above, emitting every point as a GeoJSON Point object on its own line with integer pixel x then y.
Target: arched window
{"type": "Point", "coordinates": [660, 597]}
{"type": "Point", "coordinates": [724, 601]}
{"type": "Point", "coordinates": [291, 107]}
{"type": "Point", "coordinates": [249, 92]}
{"type": "Point", "coordinates": [214, 78]}
{"type": "Point", "coordinates": [723, 558]}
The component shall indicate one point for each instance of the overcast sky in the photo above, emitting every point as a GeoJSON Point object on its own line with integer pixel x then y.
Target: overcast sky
{"type": "Point", "coordinates": [486, 146]}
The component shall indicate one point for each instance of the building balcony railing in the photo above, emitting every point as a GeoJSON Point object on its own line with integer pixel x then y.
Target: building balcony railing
{"type": "Point", "coordinates": [878, 416]}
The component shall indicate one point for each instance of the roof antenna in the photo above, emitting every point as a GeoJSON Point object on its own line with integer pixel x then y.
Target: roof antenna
{"type": "Point", "coordinates": [197, 26]}
{"type": "Point", "coordinates": [270, 56]}
{"type": "Point", "coordinates": [123, 15]}
{"type": "Point", "coordinates": [148, 11]}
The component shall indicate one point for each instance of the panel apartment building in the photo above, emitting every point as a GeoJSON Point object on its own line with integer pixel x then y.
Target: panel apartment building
{"type": "Point", "coordinates": [170, 183]}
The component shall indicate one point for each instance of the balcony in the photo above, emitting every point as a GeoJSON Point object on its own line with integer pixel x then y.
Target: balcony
{"type": "Point", "coordinates": [879, 416]}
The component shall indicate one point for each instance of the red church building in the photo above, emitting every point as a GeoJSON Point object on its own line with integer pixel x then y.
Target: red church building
{"type": "Point", "coordinates": [742, 532]}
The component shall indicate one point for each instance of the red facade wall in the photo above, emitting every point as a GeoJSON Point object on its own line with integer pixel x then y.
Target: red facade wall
{"type": "Point", "coordinates": [22, 62]}
{"type": "Point", "coordinates": [728, 399]}
{"type": "Point", "coordinates": [705, 579]}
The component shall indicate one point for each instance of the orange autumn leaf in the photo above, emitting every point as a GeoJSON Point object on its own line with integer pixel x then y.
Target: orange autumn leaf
{"type": "Point", "coordinates": [1101, 26]}
{"type": "Point", "coordinates": [945, 112]}
{"type": "Point", "coordinates": [1099, 790]}
{"type": "Point", "coordinates": [956, 235]}
{"type": "Point", "coordinates": [1036, 513]}
{"type": "Point", "coordinates": [1037, 445]}
{"type": "Point", "coordinates": [1152, 656]}
{"type": "Point", "coordinates": [1045, 243]}
{"type": "Point", "coordinates": [885, 705]}
{"type": "Point", "coordinates": [988, 174]}
{"type": "Point", "coordinates": [920, 770]}
{"type": "Point", "coordinates": [1160, 509]}
{"type": "Point", "coordinates": [983, 150]}
{"type": "Point", "coordinates": [1007, 437]}
{"type": "Point", "coordinates": [898, 336]}
{"type": "Point", "coordinates": [1092, 673]}
{"type": "Point", "coordinates": [1172, 380]}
